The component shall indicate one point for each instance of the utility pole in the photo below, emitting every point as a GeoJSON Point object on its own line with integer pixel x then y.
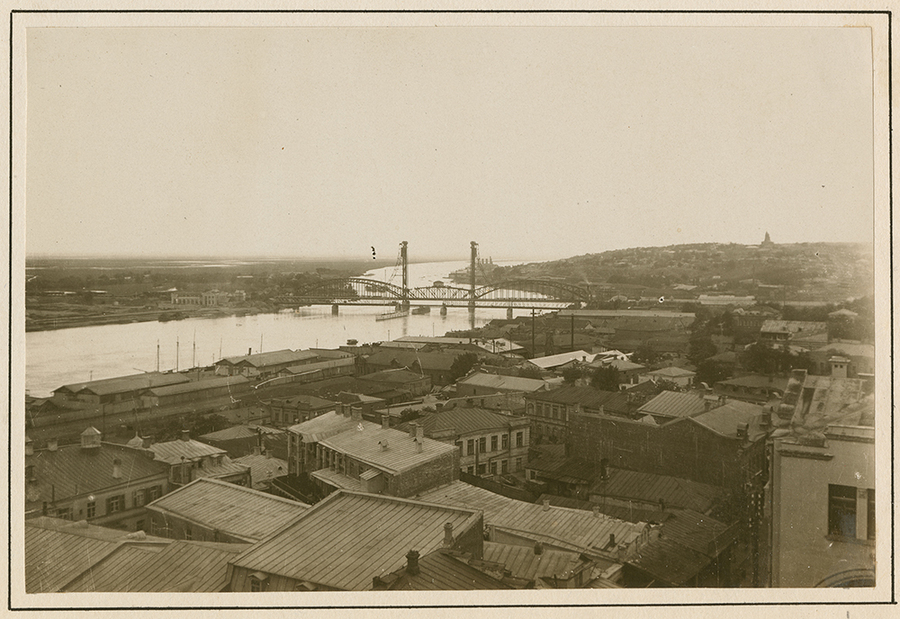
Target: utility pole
{"type": "Point", "coordinates": [533, 351]}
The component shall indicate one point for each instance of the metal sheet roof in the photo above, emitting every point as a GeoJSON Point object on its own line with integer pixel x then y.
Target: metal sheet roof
{"type": "Point", "coordinates": [552, 361]}
{"type": "Point", "coordinates": [179, 566]}
{"type": "Point", "coordinates": [171, 452]}
{"type": "Point", "coordinates": [571, 529]}
{"type": "Point", "coordinates": [263, 468]}
{"type": "Point", "coordinates": [500, 381]}
{"type": "Point", "coordinates": [199, 385]}
{"type": "Point", "coordinates": [650, 488]}
{"type": "Point", "coordinates": [72, 471]}
{"type": "Point", "coordinates": [122, 384]}
{"type": "Point", "coordinates": [347, 538]}
{"type": "Point", "coordinates": [671, 372]}
{"type": "Point", "coordinates": [724, 420]}
{"type": "Point", "coordinates": [442, 571]}
{"type": "Point", "coordinates": [522, 562]}
{"type": "Point", "coordinates": [276, 357]}
{"type": "Point", "coordinates": [401, 454]}
{"type": "Point", "coordinates": [466, 421]}
{"type": "Point", "coordinates": [324, 426]}
{"type": "Point", "coordinates": [674, 404]}
{"type": "Point", "coordinates": [236, 510]}
{"type": "Point", "coordinates": [339, 480]}
{"type": "Point", "coordinates": [53, 558]}
{"type": "Point", "coordinates": [239, 432]}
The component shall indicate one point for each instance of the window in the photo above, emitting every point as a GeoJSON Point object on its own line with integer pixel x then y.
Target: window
{"type": "Point", "coordinates": [64, 512]}
{"type": "Point", "coordinates": [138, 498]}
{"type": "Point", "coordinates": [470, 470]}
{"type": "Point", "coordinates": [841, 510]}
{"type": "Point", "coordinates": [115, 504]}
{"type": "Point", "coordinates": [518, 464]}
{"type": "Point", "coordinates": [459, 446]}
{"type": "Point", "coordinates": [188, 533]}
{"type": "Point", "coordinates": [470, 447]}
{"type": "Point", "coordinates": [504, 466]}
{"type": "Point", "coordinates": [154, 493]}
{"type": "Point", "coordinates": [520, 439]}
{"type": "Point", "coordinates": [494, 443]}
{"type": "Point", "coordinates": [494, 468]}
{"type": "Point", "coordinates": [482, 469]}
{"type": "Point", "coordinates": [139, 525]}
{"type": "Point", "coordinates": [504, 442]}
{"type": "Point", "coordinates": [91, 509]}
{"type": "Point", "coordinates": [482, 444]}
{"type": "Point", "coordinates": [532, 475]}
{"type": "Point", "coordinates": [870, 514]}
{"type": "Point", "coordinates": [257, 582]}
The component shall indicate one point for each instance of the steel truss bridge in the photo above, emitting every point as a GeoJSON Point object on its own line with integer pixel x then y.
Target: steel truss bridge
{"type": "Point", "coordinates": [516, 293]}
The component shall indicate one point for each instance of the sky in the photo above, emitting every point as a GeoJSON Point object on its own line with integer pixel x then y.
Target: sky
{"type": "Point", "coordinates": [536, 142]}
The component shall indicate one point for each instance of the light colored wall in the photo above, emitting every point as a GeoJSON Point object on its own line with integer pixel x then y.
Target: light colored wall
{"type": "Point", "coordinates": [802, 552]}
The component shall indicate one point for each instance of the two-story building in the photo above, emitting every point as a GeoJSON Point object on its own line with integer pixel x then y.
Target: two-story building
{"type": "Point", "coordinates": [490, 443]}
{"type": "Point", "coordinates": [549, 411]}
{"type": "Point", "coordinates": [103, 483]}
{"type": "Point", "coordinates": [188, 460]}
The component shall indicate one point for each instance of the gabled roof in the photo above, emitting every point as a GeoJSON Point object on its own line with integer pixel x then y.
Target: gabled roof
{"type": "Point", "coordinates": [403, 358]}
{"type": "Point", "coordinates": [305, 402]}
{"type": "Point", "coordinates": [241, 512]}
{"type": "Point", "coordinates": [650, 488]}
{"type": "Point", "coordinates": [276, 357]}
{"type": "Point", "coordinates": [674, 404]}
{"type": "Point", "coordinates": [395, 375]}
{"type": "Point", "coordinates": [347, 538]}
{"type": "Point", "coordinates": [401, 453]}
{"type": "Point", "coordinates": [553, 361]}
{"type": "Point", "coordinates": [569, 529]}
{"type": "Point", "coordinates": [180, 566]}
{"type": "Point", "coordinates": [53, 558]}
{"type": "Point", "coordinates": [757, 381]}
{"type": "Point", "coordinates": [799, 327]}
{"type": "Point", "coordinates": [724, 420]}
{"type": "Point", "coordinates": [171, 452]}
{"type": "Point", "coordinates": [586, 397]}
{"type": "Point", "coordinates": [263, 468]}
{"type": "Point", "coordinates": [72, 471]}
{"type": "Point", "coordinates": [506, 383]}
{"type": "Point", "coordinates": [522, 562]}
{"type": "Point", "coordinates": [671, 372]}
{"type": "Point", "coordinates": [465, 421]}
{"type": "Point", "coordinates": [442, 570]}
{"type": "Point", "coordinates": [851, 349]}
{"type": "Point", "coordinates": [124, 384]}
{"type": "Point", "coordinates": [199, 385]}
{"type": "Point", "coordinates": [240, 432]}
{"type": "Point", "coordinates": [324, 426]}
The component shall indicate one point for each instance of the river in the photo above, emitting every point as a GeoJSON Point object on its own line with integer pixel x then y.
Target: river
{"type": "Point", "coordinates": [59, 357]}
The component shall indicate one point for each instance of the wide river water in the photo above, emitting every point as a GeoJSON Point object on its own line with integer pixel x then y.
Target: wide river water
{"type": "Point", "coordinates": [60, 357]}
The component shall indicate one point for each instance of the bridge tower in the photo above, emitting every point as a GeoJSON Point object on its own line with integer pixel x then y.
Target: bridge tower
{"type": "Point", "coordinates": [404, 264]}
{"type": "Point", "coordinates": [472, 261]}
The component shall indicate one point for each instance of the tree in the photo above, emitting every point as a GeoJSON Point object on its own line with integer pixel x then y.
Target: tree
{"type": "Point", "coordinates": [462, 364]}
{"type": "Point", "coordinates": [529, 371]}
{"type": "Point", "coordinates": [571, 374]}
{"type": "Point", "coordinates": [701, 348]}
{"type": "Point", "coordinates": [711, 372]}
{"type": "Point", "coordinates": [644, 354]}
{"type": "Point", "coordinates": [606, 379]}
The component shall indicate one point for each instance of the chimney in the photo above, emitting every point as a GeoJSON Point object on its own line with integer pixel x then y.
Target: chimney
{"type": "Point", "coordinates": [249, 351]}
{"type": "Point", "coordinates": [612, 539]}
{"type": "Point", "coordinates": [743, 430]}
{"type": "Point", "coordinates": [596, 511]}
{"type": "Point", "coordinates": [29, 446]}
{"type": "Point", "coordinates": [117, 469]}
{"type": "Point", "coordinates": [662, 505]}
{"type": "Point", "coordinates": [412, 429]}
{"type": "Point", "coordinates": [765, 420]}
{"type": "Point", "coordinates": [448, 535]}
{"type": "Point", "coordinates": [420, 433]}
{"type": "Point", "coordinates": [546, 505]}
{"type": "Point", "coordinates": [356, 413]}
{"type": "Point", "coordinates": [185, 435]}
{"type": "Point", "coordinates": [707, 405]}
{"type": "Point", "coordinates": [384, 445]}
{"type": "Point", "coordinates": [385, 422]}
{"type": "Point", "coordinates": [412, 563]}
{"type": "Point", "coordinates": [438, 406]}
{"type": "Point", "coordinates": [255, 450]}
{"type": "Point", "coordinates": [538, 548]}
{"type": "Point", "coordinates": [418, 443]}
{"type": "Point", "coordinates": [604, 468]}
{"type": "Point", "coordinates": [52, 444]}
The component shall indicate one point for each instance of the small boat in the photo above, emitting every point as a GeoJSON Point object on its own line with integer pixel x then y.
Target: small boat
{"type": "Point", "coordinates": [394, 314]}
{"type": "Point", "coordinates": [418, 311]}
{"type": "Point", "coordinates": [352, 342]}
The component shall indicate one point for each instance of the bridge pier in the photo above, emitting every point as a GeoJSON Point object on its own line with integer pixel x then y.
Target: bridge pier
{"type": "Point", "coordinates": [509, 313]}
{"type": "Point", "coordinates": [335, 309]}
{"type": "Point", "coordinates": [443, 309]}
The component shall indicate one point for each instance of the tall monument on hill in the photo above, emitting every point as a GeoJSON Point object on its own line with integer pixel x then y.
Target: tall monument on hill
{"type": "Point", "coordinates": [767, 242]}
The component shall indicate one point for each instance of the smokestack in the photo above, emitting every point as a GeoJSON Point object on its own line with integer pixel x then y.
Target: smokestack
{"type": "Point", "coordinates": [448, 535]}
{"type": "Point", "coordinates": [412, 563]}
{"type": "Point", "coordinates": [185, 435]}
{"type": "Point", "coordinates": [117, 469]}
{"type": "Point", "coordinates": [385, 422]}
